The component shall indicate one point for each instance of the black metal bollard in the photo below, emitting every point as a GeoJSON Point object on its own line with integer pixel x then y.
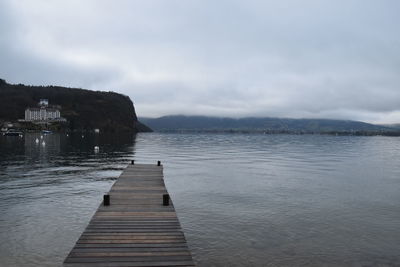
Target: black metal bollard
{"type": "Point", "coordinates": [165, 200]}
{"type": "Point", "coordinates": [106, 200]}
{"type": "Point", "coordinates": [158, 163]}
{"type": "Point", "coordinates": [132, 162]}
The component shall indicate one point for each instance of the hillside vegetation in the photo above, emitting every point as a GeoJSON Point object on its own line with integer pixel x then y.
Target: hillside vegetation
{"type": "Point", "coordinates": [84, 109]}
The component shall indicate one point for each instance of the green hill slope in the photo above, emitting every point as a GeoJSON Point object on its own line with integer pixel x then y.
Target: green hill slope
{"type": "Point", "coordinates": [84, 109]}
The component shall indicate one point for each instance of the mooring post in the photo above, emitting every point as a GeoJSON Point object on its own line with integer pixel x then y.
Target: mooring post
{"type": "Point", "coordinates": [132, 162]}
{"type": "Point", "coordinates": [106, 200]}
{"type": "Point", "coordinates": [158, 163]}
{"type": "Point", "coordinates": [165, 200]}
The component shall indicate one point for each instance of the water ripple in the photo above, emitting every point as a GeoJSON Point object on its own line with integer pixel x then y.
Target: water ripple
{"type": "Point", "coordinates": [270, 200]}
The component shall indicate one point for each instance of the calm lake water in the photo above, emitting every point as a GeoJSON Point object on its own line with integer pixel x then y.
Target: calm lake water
{"type": "Point", "coordinates": [242, 200]}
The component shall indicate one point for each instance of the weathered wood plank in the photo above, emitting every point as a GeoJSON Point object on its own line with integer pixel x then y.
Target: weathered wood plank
{"type": "Point", "coordinates": [128, 259]}
{"type": "Point", "coordinates": [110, 250]}
{"type": "Point", "coordinates": [144, 234]}
{"type": "Point", "coordinates": [129, 237]}
{"type": "Point", "coordinates": [136, 229]}
{"type": "Point", "coordinates": [133, 264]}
{"type": "Point", "coordinates": [86, 254]}
{"type": "Point", "coordinates": [168, 245]}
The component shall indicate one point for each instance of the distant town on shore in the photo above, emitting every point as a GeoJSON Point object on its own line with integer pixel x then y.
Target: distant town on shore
{"type": "Point", "coordinates": [266, 125]}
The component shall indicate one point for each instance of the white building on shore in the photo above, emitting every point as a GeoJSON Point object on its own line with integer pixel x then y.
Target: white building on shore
{"type": "Point", "coordinates": [43, 113]}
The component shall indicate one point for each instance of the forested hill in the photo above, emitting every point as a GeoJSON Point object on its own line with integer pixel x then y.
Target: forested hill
{"type": "Point", "coordinates": [262, 125]}
{"type": "Point", "coordinates": [84, 109]}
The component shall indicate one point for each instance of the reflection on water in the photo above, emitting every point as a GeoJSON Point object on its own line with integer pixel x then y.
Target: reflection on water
{"type": "Point", "coordinates": [50, 186]}
{"type": "Point", "coordinates": [258, 200]}
{"type": "Point", "coordinates": [37, 144]}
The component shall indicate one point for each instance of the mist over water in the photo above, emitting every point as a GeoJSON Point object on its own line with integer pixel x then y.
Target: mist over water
{"type": "Point", "coordinates": [242, 200]}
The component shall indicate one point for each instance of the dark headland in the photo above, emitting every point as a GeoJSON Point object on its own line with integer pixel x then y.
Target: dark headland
{"type": "Point", "coordinates": [83, 110]}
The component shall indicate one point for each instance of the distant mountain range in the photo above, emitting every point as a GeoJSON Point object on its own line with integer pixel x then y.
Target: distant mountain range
{"type": "Point", "coordinates": [180, 123]}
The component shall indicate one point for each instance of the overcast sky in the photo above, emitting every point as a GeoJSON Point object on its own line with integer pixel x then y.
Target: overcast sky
{"type": "Point", "coordinates": [302, 59]}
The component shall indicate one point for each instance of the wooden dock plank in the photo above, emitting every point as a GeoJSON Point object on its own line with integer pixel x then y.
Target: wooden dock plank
{"type": "Point", "coordinates": [136, 229]}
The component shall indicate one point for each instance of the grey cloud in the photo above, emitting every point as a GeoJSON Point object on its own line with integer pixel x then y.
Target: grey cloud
{"type": "Point", "coordinates": [230, 58]}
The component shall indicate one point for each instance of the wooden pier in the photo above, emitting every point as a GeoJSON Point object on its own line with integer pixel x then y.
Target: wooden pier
{"type": "Point", "coordinates": [139, 227]}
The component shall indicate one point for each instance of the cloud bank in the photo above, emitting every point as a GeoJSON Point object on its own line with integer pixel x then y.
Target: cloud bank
{"type": "Point", "coordinates": [312, 58]}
